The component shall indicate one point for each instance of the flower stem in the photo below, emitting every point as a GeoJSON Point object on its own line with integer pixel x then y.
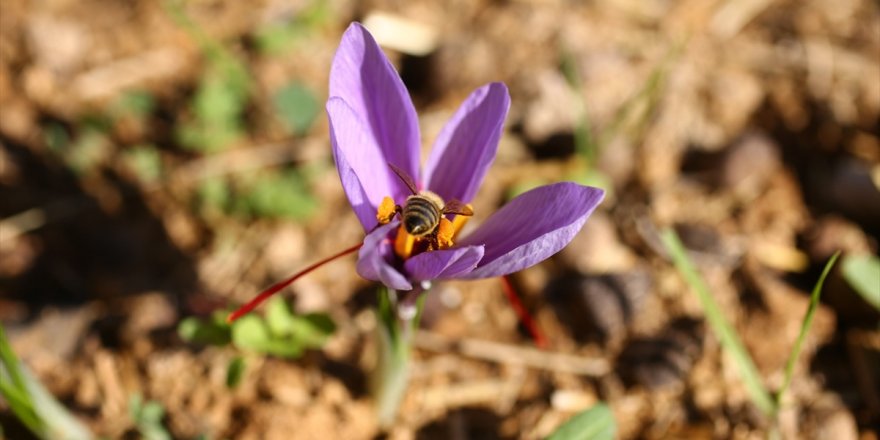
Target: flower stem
{"type": "Point", "coordinates": [396, 328]}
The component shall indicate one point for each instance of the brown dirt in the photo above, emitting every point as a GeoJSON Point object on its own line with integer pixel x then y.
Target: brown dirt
{"type": "Point", "coordinates": [757, 144]}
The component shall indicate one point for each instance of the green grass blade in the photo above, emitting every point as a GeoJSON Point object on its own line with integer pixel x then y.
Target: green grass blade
{"type": "Point", "coordinates": [13, 388]}
{"type": "Point", "coordinates": [584, 139]}
{"type": "Point", "coordinates": [59, 423]}
{"type": "Point", "coordinates": [722, 329]}
{"type": "Point", "coordinates": [805, 327]}
{"type": "Point", "coordinates": [10, 361]}
{"type": "Point", "coordinates": [19, 403]}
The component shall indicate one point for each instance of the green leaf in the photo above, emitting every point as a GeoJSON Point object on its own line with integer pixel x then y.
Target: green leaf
{"type": "Point", "coordinates": [297, 107]}
{"type": "Point", "coordinates": [805, 327]}
{"type": "Point", "coordinates": [20, 404]}
{"type": "Point", "coordinates": [235, 371]}
{"type": "Point", "coordinates": [56, 137]}
{"type": "Point", "coordinates": [596, 423]}
{"type": "Point", "coordinates": [719, 324]}
{"type": "Point", "coordinates": [218, 104]}
{"type": "Point", "coordinates": [13, 388]}
{"type": "Point", "coordinates": [35, 406]}
{"type": "Point", "coordinates": [279, 317]}
{"type": "Point", "coordinates": [10, 361]}
{"type": "Point", "coordinates": [204, 331]}
{"type": "Point", "coordinates": [147, 417]}
{"type": "Point", "coordinates": [137, 103]}
{"type": "Point", "coordinates": [283, 195]}
{"type": "Point", "coordinates": [313, 329]}
{"type": "Point", "coordinates": [145, 161]}
{"type": "Point", "coordinates": [276, 38]}
{"type": "Point", "coordinates": [251, 333]}
{"type": "Point", "coordinates": [213, 194]}
{"type": "Point", "coordinates": [309, 331]}
{"type": "Point", "coordinates": [862, 272]}
{"type": "Point", "coordinates": [89, 149]}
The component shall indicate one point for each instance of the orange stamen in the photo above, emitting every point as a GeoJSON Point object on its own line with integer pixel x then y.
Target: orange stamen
{"type": "Point", "coordinates": [460, 220]}
{"type": "Point", "coordinates": [403, 244]}
{"type": "Point", "coordinates": [264, 295]}
{"type": "Point", "coordinates": [445, 233]}
{"type": "Point", "coordinates": [524, 317]}
{"type": "Point", "coordinates": [387, 210]}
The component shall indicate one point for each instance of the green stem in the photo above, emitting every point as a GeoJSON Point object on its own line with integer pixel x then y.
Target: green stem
{"type": "Point", "coordinates": [395, 332]}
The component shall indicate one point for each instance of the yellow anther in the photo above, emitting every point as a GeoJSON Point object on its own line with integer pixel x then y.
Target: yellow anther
{"type": "Point", "coordinates": [386, 211]}
{"type": "Point", "coordinates": [445, 233]}
{"type": "Point", "coordinates": [459, 221]}
{"type": "Point", "coordinates": [403, 244]}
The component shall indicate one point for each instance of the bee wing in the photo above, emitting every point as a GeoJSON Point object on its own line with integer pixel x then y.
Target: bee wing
{"type": "Point", "coordinates": [457, 207]}
{"type": "Point", "coordinates": [407, 180]}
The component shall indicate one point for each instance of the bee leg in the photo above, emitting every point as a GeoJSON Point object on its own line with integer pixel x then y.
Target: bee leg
{"type": "Point", "coordinates": [433, 243]}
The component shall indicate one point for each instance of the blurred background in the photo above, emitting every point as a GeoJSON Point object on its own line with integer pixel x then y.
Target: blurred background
{"type": "Point", "coordinates": [163, 161]}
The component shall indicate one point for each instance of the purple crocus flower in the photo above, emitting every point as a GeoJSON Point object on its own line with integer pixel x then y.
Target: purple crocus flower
{"type": "Point", "coordinates": [373, 126]}
{"type": "Point", "coordinates": [374, 130]}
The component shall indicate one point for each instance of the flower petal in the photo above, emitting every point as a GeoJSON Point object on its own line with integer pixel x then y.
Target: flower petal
{"type": "Point", "coordinates": [366, 80]}
{"type": "Point", "coordinates": [531, 228]}
{"type": "Point", "coordinates": [373, 259]}
{"type": "Point", "coordinates": [467, 144]}
{"type": "Point", "coordinates": [365, 176]}
{"type": "Point", "coordinates": [447, 263]}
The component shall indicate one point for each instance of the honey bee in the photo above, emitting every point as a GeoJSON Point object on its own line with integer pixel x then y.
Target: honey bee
{"type": "Point", "coordinates": [423, 210]}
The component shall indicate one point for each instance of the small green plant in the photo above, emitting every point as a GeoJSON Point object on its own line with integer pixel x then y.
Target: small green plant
{"type": "Point", "coordinates": [277, 37]}
{"type": "Point", "coordinates": [234, 371]}
{"type": "Point", "coordinates": [218, 105]}
{"type": "Point", "coordinates": [147, 417]}
{"type": "Point", "coordinates": [280, 333]}
{"type": "Point", "coordinates": [277, 195]}
{"type": "Point", "coordinates": [805, 327]}
{"type": "Point", "coordinates": [32, 404]}
{"type": "Point", "coordinates": [144, 161]}
{"type": "Point", "coordinates": [81, 152]}
{"type": "Point", "coordinates": [586, 143]}
{"type": "Point", "coordinates": [296, 106]}
{"type": "Point", "coordinates": [285, 194]}
{"type": "Point", "coordinates": [862, 272]}
{"type": "Point", "coordinates": [222, 94]}
{"type": "Point", "coordinates": [134, 103]}
{"type": "Point", "coordinates": [594, 423]}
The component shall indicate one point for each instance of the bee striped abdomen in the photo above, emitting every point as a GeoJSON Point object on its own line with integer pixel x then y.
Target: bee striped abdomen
{"type": "Point", "coordinates": [421, 215]}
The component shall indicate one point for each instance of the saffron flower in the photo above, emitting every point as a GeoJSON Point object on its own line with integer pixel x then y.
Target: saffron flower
{"type": "Point", "coordinates": [375, 137]}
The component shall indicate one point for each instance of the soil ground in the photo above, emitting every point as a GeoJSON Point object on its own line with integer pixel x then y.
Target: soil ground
{"type": "Point", "coordinates": [749, 127]}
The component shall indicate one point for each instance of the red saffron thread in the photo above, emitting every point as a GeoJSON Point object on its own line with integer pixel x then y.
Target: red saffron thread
{"type": "Point", "coordinates": [523, 314]}
{"type": "Point", "coordinates": [264, 295]}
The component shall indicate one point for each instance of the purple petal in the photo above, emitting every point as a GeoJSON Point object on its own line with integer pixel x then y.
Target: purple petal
{"type": "Point", "coordinates": [531, 228]}
{"type": "Point", "coordinates": [365, 175]}
{"type": "Point", "coordinates": [366, 80]}
{"type": "Point", "coordinates": [466, 146]}
{"type": "Point", "coordinates": [373, 259]}
{"type": "Point", "coordinates": [448, 263]}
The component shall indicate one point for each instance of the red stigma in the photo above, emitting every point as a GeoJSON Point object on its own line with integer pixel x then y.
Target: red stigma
{"type": "Point", "coordinates": [264, 295]}
{"type": "Point", "coordinates": [524, 317]}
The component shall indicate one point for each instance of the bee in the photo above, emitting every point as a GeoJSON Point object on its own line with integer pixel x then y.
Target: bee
{"type": "Point", "coordinates": [423, 210]}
